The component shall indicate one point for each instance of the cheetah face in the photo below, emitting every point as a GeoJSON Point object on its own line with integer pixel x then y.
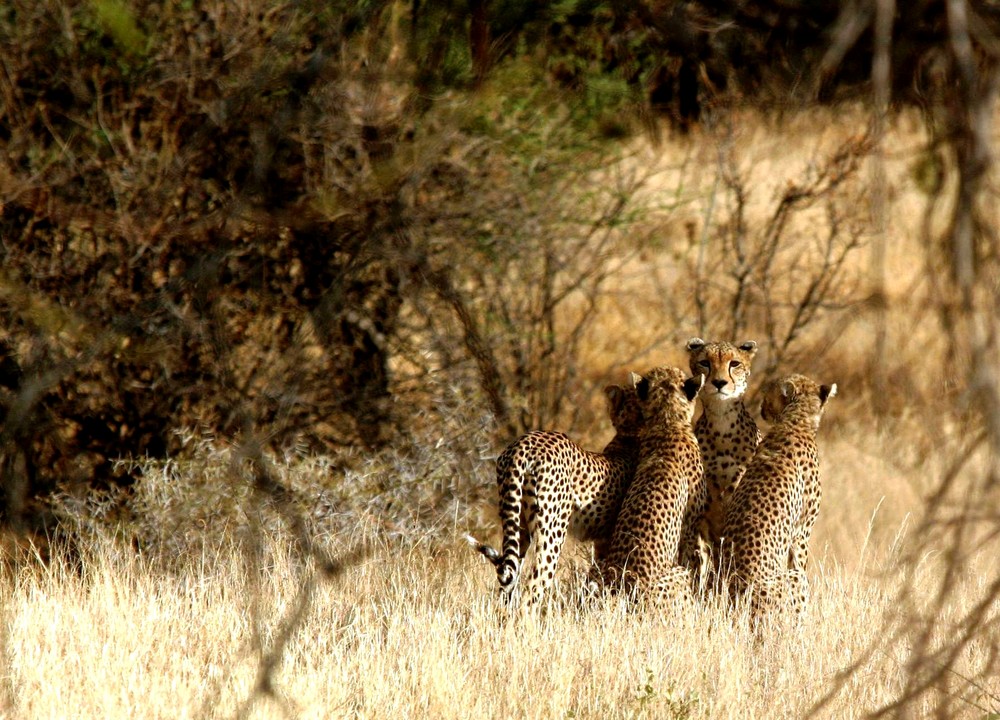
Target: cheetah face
{"type": "Point", "coordinates": [777, 395]}
{"type": "Point", "coordinates": [726, 367]}
{"type": "Point", "coordinates": [665, 392]}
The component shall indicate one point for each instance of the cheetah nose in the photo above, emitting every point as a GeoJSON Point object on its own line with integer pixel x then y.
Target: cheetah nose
{"type": "Point", "coordinates": [719, 383]}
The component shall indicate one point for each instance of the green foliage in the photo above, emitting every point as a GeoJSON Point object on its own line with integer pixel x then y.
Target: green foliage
{"type": "Point", "coordinates": [928, 172]}
{"type": "Point", "coordinates": [667, 703]}
{"type": "Point", "coordinates": [118, 20]}
{"type": "Point", "coordinates": [647, 691]}
{"type": "Point", "coordinates": [551, 48]}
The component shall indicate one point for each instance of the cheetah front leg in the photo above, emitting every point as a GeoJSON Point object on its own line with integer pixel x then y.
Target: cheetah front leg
{"type": "Point", "coordinates": [798, 553]}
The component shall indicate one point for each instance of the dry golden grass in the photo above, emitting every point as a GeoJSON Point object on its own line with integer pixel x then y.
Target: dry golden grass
{"type": "Point", "coordinates": [414, 633]}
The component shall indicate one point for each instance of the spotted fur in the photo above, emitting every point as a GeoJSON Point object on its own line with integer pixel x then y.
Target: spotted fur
{"type": "Point", "coordinates": [770, 516]}
{"type": "Point", "coordinates": [654, 539]}
{"type": "Point", "coordinates": [727, 434]}
{"type": "Point", "coordinates": [549, 486]}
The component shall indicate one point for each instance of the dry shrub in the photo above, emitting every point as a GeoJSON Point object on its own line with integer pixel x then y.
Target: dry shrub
{"type": "Point", "coordinates": [208, 496]}
{"type": "Point", "coordinates": [781, 271]}
{"type": "Point", "coordinates": [257, 223]}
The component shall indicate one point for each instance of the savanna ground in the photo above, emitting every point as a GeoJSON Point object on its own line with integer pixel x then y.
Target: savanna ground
{"type": "Point", "coordinates": [374, 607]}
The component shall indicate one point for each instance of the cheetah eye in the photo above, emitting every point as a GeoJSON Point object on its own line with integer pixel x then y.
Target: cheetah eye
{"type": "Point", "coordinates": [704, 364]}
{"type": "Point", "coordinates": [734, 364]}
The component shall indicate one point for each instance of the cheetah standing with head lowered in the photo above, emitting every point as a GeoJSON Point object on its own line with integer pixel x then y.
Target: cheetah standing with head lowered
{"type": "Point", "coordinates": [548, 485]}
{"type": "Point", "coordinates": [727, 434]}
{"type": "Point", "coordinates": [654, 539]}
{"type": "Point", "coordinates": [770, 516]}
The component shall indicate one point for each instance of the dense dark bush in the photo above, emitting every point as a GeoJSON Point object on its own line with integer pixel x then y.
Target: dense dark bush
{"type": "Point", "coordinates": [264, 224]}
{"type": "Point", "coordinates": [166, 261]}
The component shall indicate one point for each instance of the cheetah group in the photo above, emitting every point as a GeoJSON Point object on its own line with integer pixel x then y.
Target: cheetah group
{"type": "Point", "coordinates": [675, 508]}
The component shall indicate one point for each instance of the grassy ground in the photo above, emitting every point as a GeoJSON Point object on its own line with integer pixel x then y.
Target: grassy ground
{"type": "Point", "coordinates": [415, 633]}
{"type": "Point", "coordinates": [415, 630]}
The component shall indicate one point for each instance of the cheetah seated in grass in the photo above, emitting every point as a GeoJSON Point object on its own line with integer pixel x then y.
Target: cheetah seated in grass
{"type": "Point", "coordinates": [770, 516]}
{"type": "Point", "coordinates": [654, 539]}
{"type": "Point", "coordinates": [727, 434]}
{"type": "Point", "coordinates": [549, 485]}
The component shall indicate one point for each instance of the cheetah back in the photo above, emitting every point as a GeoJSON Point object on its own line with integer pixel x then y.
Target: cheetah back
{"type": "Point", "coordinates": [549, 486]}
{"type": "Point", "coordinates": [770, 518]}
{"type": "Point", "coordinates": [654, 527]}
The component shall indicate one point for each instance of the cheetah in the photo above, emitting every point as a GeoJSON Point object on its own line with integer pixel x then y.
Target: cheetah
{"type": "Point", "coordinates": [727, 434]}
{"type": "Point", "coordinates": [654, 537]}
{"type": "Point", "coordinates": [549, 486]}
{"type": "Point", "coordinates": [770, 516]}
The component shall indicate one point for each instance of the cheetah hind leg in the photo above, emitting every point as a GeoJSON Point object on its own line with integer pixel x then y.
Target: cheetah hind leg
{"type": "Point", "coordinates": [796, 592]}
{"type": "Point", "coordinates": [673, 590]}
{"type": "Point", "coordinates": [784, 591]}
{"type": "Point", "coordinates": [547, 545]}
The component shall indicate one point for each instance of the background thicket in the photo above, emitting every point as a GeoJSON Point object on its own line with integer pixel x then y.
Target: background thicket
{"type": "Point", "coordinates": [311, 223]}
{"type": "Point", "coordinates": [311, 265]}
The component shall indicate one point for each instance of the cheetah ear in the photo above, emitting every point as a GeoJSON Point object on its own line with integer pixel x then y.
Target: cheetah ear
{"type": "Point", "coordinates": [693, 385]}
{"type": "Point", "coordinates": [826, 392]}
{"type": "Point", "coordinates": [633, 379]}
{"type": "Point", "coordinates": [749, 347]}
{"type": "Point", "coordinates": [695, 344]}
{"type": "Point", "coordinates": [641, 387]}
{"type": "Point", "coordinates": [787, 389]}
{"type": "Point", "coordinates": [614, 395]}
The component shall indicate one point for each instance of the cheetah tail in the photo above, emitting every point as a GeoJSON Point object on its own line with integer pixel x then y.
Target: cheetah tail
{"type": "Point", "coordinates": [488, 551]}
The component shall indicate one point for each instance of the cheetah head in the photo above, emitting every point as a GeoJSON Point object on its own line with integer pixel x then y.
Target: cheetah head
{"type": "Point", "coordinates": [624, 409]}
{"type": "Point", "coordinates": [665, 392]}
{"type": "Point", "coordinates": [726, 367]}
{"type": "Point", "coordinates": [778, 394]}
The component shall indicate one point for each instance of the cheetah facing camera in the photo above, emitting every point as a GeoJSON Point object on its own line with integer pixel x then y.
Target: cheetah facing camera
{"type": "Point", "coordinates": [726, 432]}
{"type": "Point", "coordinates": [654, 540]}
{"type": "Point", "coordinates": [771, 514]}
{"type": "Point", "coordinates": [549, 485]}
